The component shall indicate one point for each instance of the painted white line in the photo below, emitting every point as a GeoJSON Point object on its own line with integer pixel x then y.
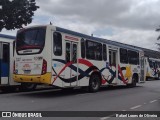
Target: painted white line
{"type": "Point", "coordinates": [152, 101]}
{"type": "Point", "coordinates": [123, 110]}
{"type": "Point", "coordinates": [135, 107]}
{"type": "Point", "coordinates": [83, 94]}
{"type": "Point", "coordinates": [104, 118]}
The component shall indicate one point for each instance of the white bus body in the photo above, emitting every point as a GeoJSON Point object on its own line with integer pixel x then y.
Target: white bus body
{"type": "Point", "coordinates": [56, 56]}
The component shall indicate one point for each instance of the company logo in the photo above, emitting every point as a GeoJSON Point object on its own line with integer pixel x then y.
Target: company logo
{"type": "Point", "coordinates": [6, 114]}
{"type": "Point", "coordinates": [21, 115]}
{"type": "Point", "coordinates": [26, 67]}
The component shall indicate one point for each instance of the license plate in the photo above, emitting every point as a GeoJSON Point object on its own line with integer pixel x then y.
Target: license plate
{"type": "Point", "coordinates": [27, 71]}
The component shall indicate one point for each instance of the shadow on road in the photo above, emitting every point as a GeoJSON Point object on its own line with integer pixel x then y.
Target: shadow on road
{"type": "Point", "coordinates": [50, 93]}
{"type": "Point", "coordinates": [10, 91]}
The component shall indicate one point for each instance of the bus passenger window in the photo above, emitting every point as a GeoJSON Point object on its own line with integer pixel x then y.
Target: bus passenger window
{"type": "Point", "coordinates": [74, 54]}
{"type": "Point", "coordinates": [83, 49]}
{"type": "Point", "coordinates": [94, 50]}
{"type": "Point", "coordinates": [57, 44]}
{"type": "Point", "coordinates": [104, 52]}
{"type": "Point", "coordinates": [133, 57]}
{"type": "Point", "coordinates": [123, 56]}
{"type": "Point", "coordinates": [13, 47]}
{"type": "Point", "coordinates": [110, 62]}
{"type": "Point", "coordinates": [68, 52]}
{"type": "Point", "coordinates": [5, 53]}
{"type": "Point", "coordinates": [114, 58]}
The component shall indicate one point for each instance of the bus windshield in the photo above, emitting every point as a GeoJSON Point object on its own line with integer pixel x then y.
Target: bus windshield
{"type": "Point", "coordinates": [33, 38]}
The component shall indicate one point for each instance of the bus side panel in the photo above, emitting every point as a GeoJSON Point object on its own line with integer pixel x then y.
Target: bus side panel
{"type": "Point", "coordinates": [126, 72]}
{"type": "Point", "coordinates": [58, 63]}
{"type": "Point", "coordinates": [11, 81]}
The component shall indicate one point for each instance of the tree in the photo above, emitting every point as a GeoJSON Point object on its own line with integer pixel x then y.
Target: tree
{"type": "Point", "coordinates": [16, 13]}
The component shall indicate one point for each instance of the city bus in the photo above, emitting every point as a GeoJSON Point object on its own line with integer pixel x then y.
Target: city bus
{"type": "Point", "coordinates": [6, 65]}
{"type": "Point", "coordinates": [6, 61]}
{"type": "Point", "coordinates": [63, 58]}
{"type": "Point", "coordinates": [151, 62]}
{"type": "Point", "coordinates": [152, 66]}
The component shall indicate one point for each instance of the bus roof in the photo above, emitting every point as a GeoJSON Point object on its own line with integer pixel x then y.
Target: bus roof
{"type": "Point", "coordinates": [114, 43]}
{"type": "Point", "coordinates": [7, 36]}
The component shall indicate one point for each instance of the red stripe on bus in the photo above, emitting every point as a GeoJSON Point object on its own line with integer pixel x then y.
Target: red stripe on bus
{"type": "Point", "coordinates": [85, 62]}
{"type": "Point", "coordinates": [68, 64]}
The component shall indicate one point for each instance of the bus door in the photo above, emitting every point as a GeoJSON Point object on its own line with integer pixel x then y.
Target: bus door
{"type": "Point", "coordinates": [4, 63]}
{"type": "Point", "coordinates": [143, 70]}
{"type": "Point", "coordinates": [71, 73]}
{"type": "Point", "coordinates": [113, 63]}
{"type": "Point", "coordinates": [155, 69]}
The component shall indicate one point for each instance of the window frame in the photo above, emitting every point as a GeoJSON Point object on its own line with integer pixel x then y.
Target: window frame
{"type": "Point", "coordinates": [104, 54]}
{"type": "Point", "coordinates": [122, 56]}
{"type": "Point", "coordinates": [24, 31]}
{"type": "Point", "coordinates": [133, 57]}
{"type": "Point", "coordinates": [83, 48]}
{"type": "Point", "coordinates": [6, 53]}
{"type": "Point", "coordinates": [100, 50]}
{"type": "Point", "coordinates": [55, 50]}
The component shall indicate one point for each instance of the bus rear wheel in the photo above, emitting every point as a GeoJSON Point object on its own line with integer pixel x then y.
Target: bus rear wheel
{"type": "Point", "coordinates": [28, 86]}
{"type": "Point", "coordinates": [94, 83]}
{"type": "Point", "coordinates": [134, 82]}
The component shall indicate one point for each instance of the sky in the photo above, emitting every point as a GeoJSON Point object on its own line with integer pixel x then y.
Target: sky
{"type": "Point", "coordinates": [127, 21]}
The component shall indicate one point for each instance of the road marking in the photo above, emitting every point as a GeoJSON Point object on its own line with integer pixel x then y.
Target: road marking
{"type": "Point", "coordinates": [135, 107]}
{"type": "Point", "coordinates": [152, 101]}
{"type": "Point", "coordinates": [104, 118]}
{"type": "Point", "coordinates": [84, 94]}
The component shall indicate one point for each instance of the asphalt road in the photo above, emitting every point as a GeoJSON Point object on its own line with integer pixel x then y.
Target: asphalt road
{"type": "Point", "coordinates": [144, 97]}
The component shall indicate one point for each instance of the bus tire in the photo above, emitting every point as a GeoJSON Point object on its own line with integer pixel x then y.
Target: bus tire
{"type": "Point", "coordinates": [147, 78]}
{"type": "Point", "coordinates": [28, 86]}
{"type": "Point", "coordinates": [134, 81]}
{"type": "Point", "coordinates": [94, 83]}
